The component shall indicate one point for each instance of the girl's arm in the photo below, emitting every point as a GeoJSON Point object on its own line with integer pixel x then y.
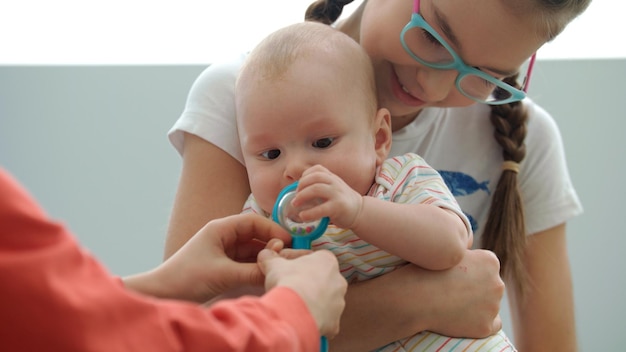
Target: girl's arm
{"type": "Point", "coordinates": [462, 302]}
{"type": "Point", "coordinates": [545, 320]}
{"type": "Point", "coordinates": [212, 185]}
{"type": "Point", "coordinates": [431, 237]}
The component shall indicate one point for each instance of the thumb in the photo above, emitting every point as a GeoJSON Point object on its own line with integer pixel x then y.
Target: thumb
{"type": "Point", "coordinates": [264, 259]}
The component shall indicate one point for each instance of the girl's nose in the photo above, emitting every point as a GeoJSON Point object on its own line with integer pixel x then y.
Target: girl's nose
{"type": "Point", "coordinates": [436, 84]}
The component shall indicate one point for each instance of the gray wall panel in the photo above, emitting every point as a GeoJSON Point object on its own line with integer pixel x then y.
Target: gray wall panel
{"type": "Point", "coordinates": [90, 143]}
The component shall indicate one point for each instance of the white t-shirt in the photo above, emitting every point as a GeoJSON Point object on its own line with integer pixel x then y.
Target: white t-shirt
{"type": "Point", "coordinates": [457, 142]}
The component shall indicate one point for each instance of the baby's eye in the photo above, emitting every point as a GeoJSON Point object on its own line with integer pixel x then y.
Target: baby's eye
{"type": "Point", "coordinates": [323, 143]}
{"type": "Point", "coordinates": [271, 154]}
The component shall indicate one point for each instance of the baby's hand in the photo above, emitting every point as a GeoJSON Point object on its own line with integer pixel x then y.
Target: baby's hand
{"type": "Point", "coordinates": [322, 193]}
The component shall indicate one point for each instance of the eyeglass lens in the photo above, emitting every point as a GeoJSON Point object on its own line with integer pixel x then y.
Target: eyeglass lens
{"type": "Point", "coordinates": [431, 52]}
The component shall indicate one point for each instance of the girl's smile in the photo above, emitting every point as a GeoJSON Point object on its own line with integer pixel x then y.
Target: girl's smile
{"type": "Point", "coordinates": [402, 93]}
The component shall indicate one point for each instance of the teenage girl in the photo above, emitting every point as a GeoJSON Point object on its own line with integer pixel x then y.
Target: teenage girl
{"type": "Point", "coordinates": [501, 156]}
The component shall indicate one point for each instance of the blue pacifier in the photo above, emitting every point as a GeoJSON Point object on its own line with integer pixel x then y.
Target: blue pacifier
{"type": "Point", "coordinates": [302, 233]}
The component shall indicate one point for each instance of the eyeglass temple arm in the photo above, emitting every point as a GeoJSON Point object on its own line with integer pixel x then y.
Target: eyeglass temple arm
{"type": "Point", "coordinates": [531, 64]}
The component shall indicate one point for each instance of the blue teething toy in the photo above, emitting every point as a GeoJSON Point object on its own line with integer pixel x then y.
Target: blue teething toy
{"type": "Point", "coordinates": [302, 233]}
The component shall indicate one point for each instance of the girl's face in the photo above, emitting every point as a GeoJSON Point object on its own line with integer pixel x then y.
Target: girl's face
{"type": "Point", "coordinates": [486, 35]}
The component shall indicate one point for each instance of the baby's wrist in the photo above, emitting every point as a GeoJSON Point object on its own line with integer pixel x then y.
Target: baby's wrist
{"type": "Point", "coordinates": [357, 218]}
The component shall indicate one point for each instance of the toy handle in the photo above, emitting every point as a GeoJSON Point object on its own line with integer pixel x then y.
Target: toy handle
{"type": "Point", "coordinates": [305, 243]}
{"type": "Point", "coordinates": [298, 242]}
{"type": "Point", "coordinates": [324, 344]}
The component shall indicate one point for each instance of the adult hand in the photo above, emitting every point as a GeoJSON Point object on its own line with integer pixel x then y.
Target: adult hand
{"type": "Point", "coordinates": [220, 257]}
{"type": "Point", "coordinates": [315, 277]}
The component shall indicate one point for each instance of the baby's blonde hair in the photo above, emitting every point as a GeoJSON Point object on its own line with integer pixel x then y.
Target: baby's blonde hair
{"type": "Point", "coordinates": [275, 55]}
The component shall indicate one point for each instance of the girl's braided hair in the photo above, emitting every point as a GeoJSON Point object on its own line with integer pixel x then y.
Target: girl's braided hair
{"type": "Point", "coordinates": [505, 231]}
{"type": "Point", "coordinates": [325, 11]}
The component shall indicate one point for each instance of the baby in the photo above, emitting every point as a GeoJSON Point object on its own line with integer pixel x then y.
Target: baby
{"type": "Point", "coordinates": [307, 111]}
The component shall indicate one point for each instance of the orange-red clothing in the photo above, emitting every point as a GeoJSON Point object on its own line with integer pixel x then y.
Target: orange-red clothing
{"type": "Point", "coordinates": [54, 296]}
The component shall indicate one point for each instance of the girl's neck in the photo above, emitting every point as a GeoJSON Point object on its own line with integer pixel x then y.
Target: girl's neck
{"type": "Point", "coordinates": [399, 122]}
{"type": "Point", "coordinates": [351, 25]}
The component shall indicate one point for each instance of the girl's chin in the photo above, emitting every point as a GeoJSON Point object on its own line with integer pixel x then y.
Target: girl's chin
{"type": "Point", "coordinates": [398, 108]}
{"type": "Point", "coordinates": [402, 96]}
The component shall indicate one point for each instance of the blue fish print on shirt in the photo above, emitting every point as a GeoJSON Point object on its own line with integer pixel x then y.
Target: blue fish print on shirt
{"type": "Point", "coordinates": [461, 184]}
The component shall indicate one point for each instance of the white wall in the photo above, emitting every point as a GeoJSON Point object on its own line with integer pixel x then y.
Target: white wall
{"type": "Point", "coordinates": [177, 32]}
{"type": "Point", "coordinates": [90, 143]}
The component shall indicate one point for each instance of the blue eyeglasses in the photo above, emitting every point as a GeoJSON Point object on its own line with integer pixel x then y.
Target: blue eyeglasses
{"type": "Point", "coordinates": [428, 48]}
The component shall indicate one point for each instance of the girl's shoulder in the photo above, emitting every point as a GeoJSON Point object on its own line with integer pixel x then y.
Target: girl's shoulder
{"type": "Point", "coordinates": [539, 121]}
{"type": "Point", "coordinates": [209, 111]}
{"type": "Point", "coordinates": [543, 135]}
{"type": "Point", "coordinates": [221, 73]}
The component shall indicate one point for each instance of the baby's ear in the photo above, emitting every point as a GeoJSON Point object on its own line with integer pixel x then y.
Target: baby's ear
{"type": "Point", "coordinates": [382, 134]}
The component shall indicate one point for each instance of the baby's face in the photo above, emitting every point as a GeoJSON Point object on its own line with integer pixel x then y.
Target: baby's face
{"type": "Point", "coordinates": [303, 119]}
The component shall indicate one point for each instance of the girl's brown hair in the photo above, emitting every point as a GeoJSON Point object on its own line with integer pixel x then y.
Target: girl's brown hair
{"type": "Point", "coordinates": [325, 11]}
{"type": "Point", "coordinates": [505, 231]}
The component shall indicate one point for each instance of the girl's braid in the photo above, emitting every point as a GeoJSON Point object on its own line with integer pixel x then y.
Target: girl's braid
{"type": "Point", "coordinates": [325, 11]}
{"type": "Point", "coordinates": [505, 231]}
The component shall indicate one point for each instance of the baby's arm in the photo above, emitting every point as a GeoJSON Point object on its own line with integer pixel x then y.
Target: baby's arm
{"type": "Point", "coordinates": [425, 226]}
{"type": "Point", "coordinates": [427, 235]}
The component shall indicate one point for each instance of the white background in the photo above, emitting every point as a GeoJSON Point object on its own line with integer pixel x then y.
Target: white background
{"type": "Point", "coordinates": [45, 32]}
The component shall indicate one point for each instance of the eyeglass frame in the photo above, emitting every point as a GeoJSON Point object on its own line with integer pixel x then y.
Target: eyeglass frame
{"type": "Point", "coordinates": [417, 20]}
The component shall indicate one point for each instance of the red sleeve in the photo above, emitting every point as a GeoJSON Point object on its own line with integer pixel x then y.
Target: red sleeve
{"type": "Point", "coordinates": [56, 296]}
